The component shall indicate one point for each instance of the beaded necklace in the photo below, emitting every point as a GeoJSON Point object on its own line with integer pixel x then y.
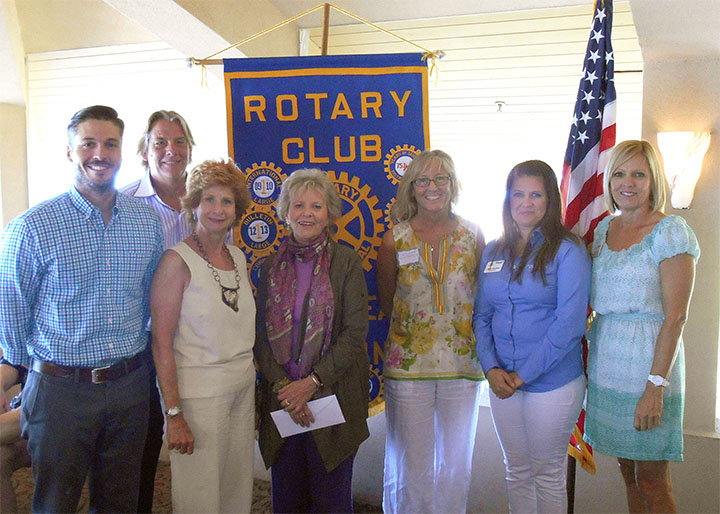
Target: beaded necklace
{"type": "Point", "coordinates": [229, 294]}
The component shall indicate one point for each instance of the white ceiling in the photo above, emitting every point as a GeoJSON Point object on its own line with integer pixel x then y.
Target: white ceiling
{"type": "Point", "coordinates": [391, 10]}
{"type": "Point", "coordinates": [667, 29]}
{"type": "Point", "coordinates": [675, 30]}
{"type": "Point", "coordinates": [384, 10]}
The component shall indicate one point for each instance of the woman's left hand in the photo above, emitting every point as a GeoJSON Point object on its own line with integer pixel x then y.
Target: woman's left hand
{"type": "Point", "coordinates": [516, 380]}
{"type": "Point", "coordinates": [294, 397]}
{"type": "Point", "coordinates": [649, 408]}
{"type": "Point", "coordinates": [304, 417]}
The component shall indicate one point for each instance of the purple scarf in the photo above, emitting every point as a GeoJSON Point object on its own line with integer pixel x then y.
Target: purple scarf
{"type": "Point", "coordinates": [319, 303]}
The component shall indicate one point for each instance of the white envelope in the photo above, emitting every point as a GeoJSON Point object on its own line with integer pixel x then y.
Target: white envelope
{"type": "Point", "coordinates": [326, 411]}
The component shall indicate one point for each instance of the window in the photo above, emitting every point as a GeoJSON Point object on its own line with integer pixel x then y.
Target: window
{"type": "Point", "coordinates": [529, 60]}
{"type": "Point", "coordinates": [136, 80]}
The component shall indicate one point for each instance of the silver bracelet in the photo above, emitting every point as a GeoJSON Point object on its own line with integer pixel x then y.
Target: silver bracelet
{"type": "Point", "coordinates": [316, 380]}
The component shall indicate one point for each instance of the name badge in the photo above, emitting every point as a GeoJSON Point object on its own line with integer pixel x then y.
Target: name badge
{"type": "Point", "coordinates": [406, 257]}
{"type": "Point", "coordinates": [494, 266]}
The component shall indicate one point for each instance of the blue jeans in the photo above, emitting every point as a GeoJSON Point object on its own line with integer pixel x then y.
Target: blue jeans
{"type": "Point", "coordinates": [79, 428]}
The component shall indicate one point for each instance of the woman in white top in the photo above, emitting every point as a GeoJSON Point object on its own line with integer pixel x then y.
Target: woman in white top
{"type": "Point", "coordinates": [203, 328]}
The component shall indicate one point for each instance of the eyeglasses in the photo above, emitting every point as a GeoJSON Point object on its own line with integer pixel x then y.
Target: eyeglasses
{"type": "Point", "coordinates": [440, 181]}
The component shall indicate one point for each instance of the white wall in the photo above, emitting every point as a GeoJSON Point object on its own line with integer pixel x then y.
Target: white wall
{"type": "Point", "coordinates": [13, 167]}
{"type": "Point", "coordinates": [683, 95]}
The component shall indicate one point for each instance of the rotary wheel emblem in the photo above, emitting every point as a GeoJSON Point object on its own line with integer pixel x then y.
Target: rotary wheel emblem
{"type": "Point", "coordinates": [397, 161]}
{"type": "Point", "coordinates": [264, 181]}
{"type": "Point", "coordinates": [254, 272]}
{"type": "Point", "coordinates": [360, 226]}
{"type": "Point", "coordinates": [259, 233]}
{"type": "Point", "coordinates": [388, 213]}
{"type": "Point", "coordinates": [377, 394]}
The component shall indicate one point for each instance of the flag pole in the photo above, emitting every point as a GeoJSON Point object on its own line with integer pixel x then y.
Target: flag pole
{"type": "Point", "coordinates": [326, 28]}
{"type": "Point", "coordinates": [570, 483]}
{"type": "Point", "coordinates": [592, 135]}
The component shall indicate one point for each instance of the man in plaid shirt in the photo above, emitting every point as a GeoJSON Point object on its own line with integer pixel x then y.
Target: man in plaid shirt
{"type": "Point", "coordinates": [75, 275]}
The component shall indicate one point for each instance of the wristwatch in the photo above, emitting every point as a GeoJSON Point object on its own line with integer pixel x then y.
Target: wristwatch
{"type": "Point", "coordinates": [658, 381]}
{"type": "Point", "coordinates": [173, 411]}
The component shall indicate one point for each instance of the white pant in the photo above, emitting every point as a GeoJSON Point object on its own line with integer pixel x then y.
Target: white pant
{"type": "Point", "coordinates": [534, 431]}
{"type": "Point", "coordinates": [431, 428]}
{"type": "Point", "coordinates": [218, 476]}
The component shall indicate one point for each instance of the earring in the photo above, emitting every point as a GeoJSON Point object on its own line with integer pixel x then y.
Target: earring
{"type": "Point", "coordinates": [195, 216]}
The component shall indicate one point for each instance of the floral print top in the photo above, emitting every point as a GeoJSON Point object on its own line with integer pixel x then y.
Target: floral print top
{"type": "Point", "coordinates": [431, 335]}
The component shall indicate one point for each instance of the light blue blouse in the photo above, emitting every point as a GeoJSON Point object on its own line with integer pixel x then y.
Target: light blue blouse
{"type": "Point", "coordinates": [530, 328]}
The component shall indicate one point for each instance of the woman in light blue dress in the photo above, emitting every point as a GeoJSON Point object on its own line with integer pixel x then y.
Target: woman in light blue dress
{"type": "Point", "coordinates": [642, 281]}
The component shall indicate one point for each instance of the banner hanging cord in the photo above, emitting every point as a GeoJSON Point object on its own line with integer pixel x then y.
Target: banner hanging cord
{"type": "Point", "coordinates": [431, 57]}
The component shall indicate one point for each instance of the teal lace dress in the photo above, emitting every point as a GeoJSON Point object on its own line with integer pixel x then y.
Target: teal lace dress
{"type": "Point", "coordinates": [627, 300]}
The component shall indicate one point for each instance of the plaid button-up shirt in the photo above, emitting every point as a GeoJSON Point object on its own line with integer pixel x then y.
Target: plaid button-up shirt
{"type": "Point", "coordinates": [73, 290]}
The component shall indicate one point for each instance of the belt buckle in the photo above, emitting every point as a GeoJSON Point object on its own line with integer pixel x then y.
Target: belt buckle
{"type": "Point", "coordinates": [96, 374]}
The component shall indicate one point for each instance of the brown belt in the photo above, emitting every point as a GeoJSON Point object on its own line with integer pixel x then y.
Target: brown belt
{"type": "Point", "coordinates": [94, 375]}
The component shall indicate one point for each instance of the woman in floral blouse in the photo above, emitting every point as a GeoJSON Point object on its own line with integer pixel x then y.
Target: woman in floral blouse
{"type": "Point", "coordinates": [427, 268]}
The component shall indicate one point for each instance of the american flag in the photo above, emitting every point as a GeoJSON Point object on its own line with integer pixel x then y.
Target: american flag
{"type": "Point", "coordinates": [592, 134]}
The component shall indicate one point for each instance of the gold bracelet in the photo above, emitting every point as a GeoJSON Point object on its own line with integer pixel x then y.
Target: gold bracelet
{"type": "Point", "coordinates": [280, 384]}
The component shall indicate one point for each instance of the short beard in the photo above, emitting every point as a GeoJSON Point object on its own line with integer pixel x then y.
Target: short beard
{"type": "Point", "coordinates": [81, 179]}
{"type": "Point", "coordinates": [104, 188]}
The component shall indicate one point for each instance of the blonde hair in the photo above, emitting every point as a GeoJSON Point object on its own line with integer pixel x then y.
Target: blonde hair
{"type": "Point", "coordinates": [172, 116]}
{"type": "Point", "coordinates": [304, 179]}
{"type": "Point", "coordinates": [215, 173]}
{"type": "Point", "coordinates": [621, 154]}
{"type": "Point", "coordinates": [406, 206]}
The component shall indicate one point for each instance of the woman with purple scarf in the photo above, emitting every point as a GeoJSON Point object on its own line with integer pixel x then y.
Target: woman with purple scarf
{"type": "Point", "coordinates": [312, 320]}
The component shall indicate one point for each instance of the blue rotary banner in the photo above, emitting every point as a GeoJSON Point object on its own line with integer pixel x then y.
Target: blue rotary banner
{"type": "Point", "coordinates": [361, 118]}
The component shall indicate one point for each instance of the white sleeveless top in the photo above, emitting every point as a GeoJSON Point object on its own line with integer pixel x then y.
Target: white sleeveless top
{"type": "Point", "coordinates": [213, 343]}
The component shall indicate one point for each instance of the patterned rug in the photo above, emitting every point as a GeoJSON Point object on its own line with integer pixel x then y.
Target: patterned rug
{"type": "Point", "coordinates": [262, 502]}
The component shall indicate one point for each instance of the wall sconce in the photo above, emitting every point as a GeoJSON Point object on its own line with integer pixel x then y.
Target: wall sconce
{"type": "Point", "coordinates": [683, 154]}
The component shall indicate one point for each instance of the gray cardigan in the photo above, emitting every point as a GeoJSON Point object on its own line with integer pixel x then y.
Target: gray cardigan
{"type": "Point", "coordinates": [344, 369]}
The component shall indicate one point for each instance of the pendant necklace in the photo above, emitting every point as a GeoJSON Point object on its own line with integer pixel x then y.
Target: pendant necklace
{"type": "Point", "coordinates": [229, 294]}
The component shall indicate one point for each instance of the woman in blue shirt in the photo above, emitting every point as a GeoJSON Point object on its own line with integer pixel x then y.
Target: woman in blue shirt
{"type": "Point", "coordinates": [530, 312]}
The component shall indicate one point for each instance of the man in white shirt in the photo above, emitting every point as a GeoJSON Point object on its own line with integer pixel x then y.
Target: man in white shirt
{"type": "Point", "coordinates": [165, 149]}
